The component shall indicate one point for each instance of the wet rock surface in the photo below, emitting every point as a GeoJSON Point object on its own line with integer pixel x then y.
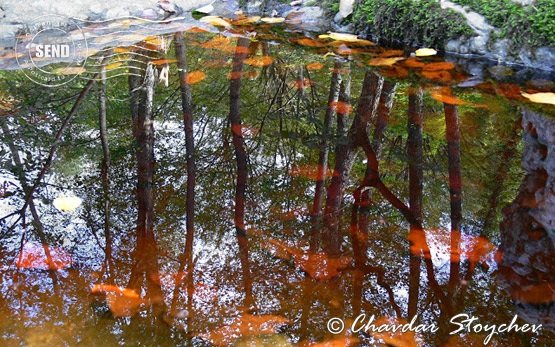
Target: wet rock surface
{"type": "Point", "coordinates": [527, 249]}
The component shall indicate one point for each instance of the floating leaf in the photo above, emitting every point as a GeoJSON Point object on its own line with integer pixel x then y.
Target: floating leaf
{"type": "Point", "coordinates": [314, 66]}
{"type": "Point", "coordinates": [392, 53]}
{"type": "Point", "coordinates": [541, 98]}
{"type": "Point", "coordinates": [444, 95]}
{"type": "Point", "coordinates": [444, 65]}
{"type": "Point", "coordinates": [259, 61]}
{"type": "Point", "coordinates": [319, 266]}
{"type": "Point", "coordinates": [163, 61]}
{"type": "Point", "coordinates": [413, 63]}
{"type": "Point", "coordinates": [311, 172]}
{"type": "Point", "coordinates": [33, 256]}
{"type": "Point", "coordinates": [309, 42]}
{"type": "Point", "coordinates": [397, 338]}
{"type": "Point", "coordinates": [341, 107]}
{"type": "Point", "coordinates": [246, 325]}
{"type": "Point", "coordinates": [425, 52]}
{"type": "Point", "coordinates": [345, 341]}
{"type": "Point", "coordinates": [123, 302]}
{"type": "Point", "coordinates": [246, 20]}
{"type": "Point", "coordinates": [340, 37]}
{"type": "Point", "coordinates": [272, 20]}
{"type": "Point", "coordinates": [113, 66]}
{"type": "Point", "coordinates": [195, 77]}
{"type": "Point", "coordinates": [67, 203]}
{"type": "Point", "coordinates": [384, 61]}
{"type": "Point", "coordinates": [216, 21]}
{"type": "Point", "coordinates": [70, 70]}
{"type": "Point", "coordinates": [440, 76]}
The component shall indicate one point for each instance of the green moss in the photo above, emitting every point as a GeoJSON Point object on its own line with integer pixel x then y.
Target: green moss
{"type": "Point", "coordinates": [409, 22]}
{"type": "Point", "coordinates": [531, 26]}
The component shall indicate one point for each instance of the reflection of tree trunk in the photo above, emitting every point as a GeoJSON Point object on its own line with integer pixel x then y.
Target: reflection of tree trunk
{"type": "Point", "coordinates": [414, 154]}
{"type": "Point", "coordinates": [242, 170]}
{"type": "Point", "coordinates": [509, 150]}
{"type": "Point", "coordinates": [380, 112]}
{"type": "Point", "coordinates": [187, 106]}
{"type": "Point", "coordinates": [105, 173]}
{"type": "Point", "coordinates": [39, 227]}
{"type": "Point", "coordinates": [323, 156]}
{"type": "Point", "coordinates": [454, 161]}
{"type": "Point", "coordinates": [384, 108]}
{"type": "Point", "coordinates": [146, 252]}
{"type": "Point", "coordinates": [345, 151]}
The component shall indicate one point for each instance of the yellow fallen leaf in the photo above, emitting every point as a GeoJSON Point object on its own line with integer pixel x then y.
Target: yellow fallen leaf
{"type": "Point", "coordinates": [70, 70]}
{"type": "Point", "coordinates": [216, 21]}
{"type": "Point", "coordinates": [273, 20]}
{"type": "Point", "coordinates": [425, 52]}
{"type": "Point", "coordinates": [340, 37]}
{"type": "Point", "coordinates": [113, 65]}
{"type": "Point", "coordinates": [541, 98]}
{"type": "Point", "coordinates": [67, 203]}
{"type": "Point", "coordinates": [384, 61]}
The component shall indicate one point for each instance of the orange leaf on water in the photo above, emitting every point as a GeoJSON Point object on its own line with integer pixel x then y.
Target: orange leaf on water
{"type": "Point", "coordinates": [440, 76]}
{"type": "Point", "coordinates": [444, 65]}
{"type": "Point", "coordinates": [33, 256]}
{"type": "Point", "coordinates": [384, 61]}
{"type": "Point", "coordinates": [341, 107]}
{"type": "Point", "coordinates": [320, 266]}
{"type": "Point", "coordinates": [259, 61]}
{"type": "Point", "coordinates": [413, 63]}
{"type": "Point", "coordinates": [246, 325]}
{"type": "Point", "coordinates": [301, 83]}
{"type": "Point", "coordinates": [315, 66]}
{"type": "Point", "coordinates": [195, 77]}
{"type": "Point", "coordinates": [398, 338]}
{"type": "Point", "coordinates": [337, 342]}
{"type": "Point", "coordinates": [308, 171]}
{"type": "Point", "coordinates": [309, 42]}
{"type": "Point", "coordinates": [123, 302]}
{"type": "Point", "coordinates": [445, 95]}
{"type": "Point", "coordinates": [163, 61]}
{"type": "Point", "coordinates": [392, 53]}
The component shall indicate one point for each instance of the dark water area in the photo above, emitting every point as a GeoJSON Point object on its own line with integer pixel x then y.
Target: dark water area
{"type": "Point", "coordinates": [243, 188]}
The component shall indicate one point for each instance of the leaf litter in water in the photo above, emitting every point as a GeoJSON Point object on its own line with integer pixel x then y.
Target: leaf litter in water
{"type": "Point", "coordinates": [445, 95]}
{"type": "Point", "coordinates": [33, 256]}
{"type": "Point", "coordinates": [246, 325]}
{"type": "Point", "coordinates": [194, 77]}
{"type": "Point", "coordinates": [384, 61]}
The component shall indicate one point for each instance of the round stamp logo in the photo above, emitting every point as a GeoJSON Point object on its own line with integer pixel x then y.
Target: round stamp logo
{"type": "Point", "coordinates": [52, 50]}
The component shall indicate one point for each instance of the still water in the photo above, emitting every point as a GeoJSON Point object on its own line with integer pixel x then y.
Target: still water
{"type": "Point", "coordinates": [246, 185]}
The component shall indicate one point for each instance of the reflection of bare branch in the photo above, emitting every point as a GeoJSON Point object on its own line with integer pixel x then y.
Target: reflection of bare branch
{"type": "Point", "coordinates": [57, 140]}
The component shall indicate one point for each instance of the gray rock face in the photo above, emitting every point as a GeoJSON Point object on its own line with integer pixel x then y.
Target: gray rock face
{"type": "Point", "coordinates": [527, 250]}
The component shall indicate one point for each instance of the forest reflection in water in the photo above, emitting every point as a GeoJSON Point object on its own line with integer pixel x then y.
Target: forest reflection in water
{"type": "Point", "coordinates": [267, 189]}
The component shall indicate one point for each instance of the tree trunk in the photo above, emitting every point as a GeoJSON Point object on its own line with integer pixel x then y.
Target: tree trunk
{"type": "Point", "coordinates": [415, 157]}
{"type": "Point", "coordinates": [455, 183]}
{"type": "Point", "coordinates": [187, 108]}
{"type": "Point", "coordinates": [242, 169]}
{"type": "Point", "coordinates": [323, 157]}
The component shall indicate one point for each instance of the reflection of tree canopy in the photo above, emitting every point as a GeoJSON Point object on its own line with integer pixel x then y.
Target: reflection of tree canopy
{"type": "Point", "coordinates": [315, 165]}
